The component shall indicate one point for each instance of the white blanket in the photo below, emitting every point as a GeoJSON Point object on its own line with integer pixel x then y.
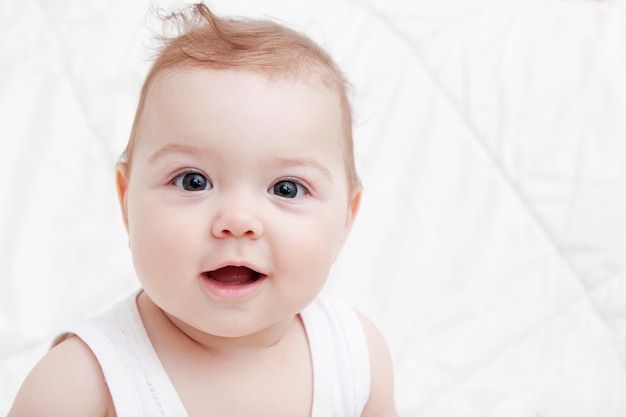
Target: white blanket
{"type": "Point", "coordinates": [491, 139]}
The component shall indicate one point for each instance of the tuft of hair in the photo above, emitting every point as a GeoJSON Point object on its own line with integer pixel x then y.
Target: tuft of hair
{"type": "Point", "coordinates": [200, 38]}
{"type": "Point", "coordinates": [195, 37]}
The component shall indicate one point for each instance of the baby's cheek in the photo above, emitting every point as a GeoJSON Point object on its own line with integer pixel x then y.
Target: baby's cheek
{"type": "Point", "coordinates": [316, 252]}
{"type": "Point", "coordinates": [154, 244]}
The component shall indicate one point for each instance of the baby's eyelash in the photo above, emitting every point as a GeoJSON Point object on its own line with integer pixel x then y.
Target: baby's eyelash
{"type": "Point", "coordinates": [178, 174]}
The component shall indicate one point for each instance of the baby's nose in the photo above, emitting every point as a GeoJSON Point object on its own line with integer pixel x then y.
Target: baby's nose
{"type": "Point", "coordinates": [237, 221]}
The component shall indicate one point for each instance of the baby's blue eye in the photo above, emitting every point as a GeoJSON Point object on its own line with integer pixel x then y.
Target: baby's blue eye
{"type": "Point", "coordinates": [288, 189]}
{"type": "Point", "coordinates": [192, 181]}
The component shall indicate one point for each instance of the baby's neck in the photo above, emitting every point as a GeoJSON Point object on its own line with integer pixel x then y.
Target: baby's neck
{"type": "Point", "coordinates": [161, 325]}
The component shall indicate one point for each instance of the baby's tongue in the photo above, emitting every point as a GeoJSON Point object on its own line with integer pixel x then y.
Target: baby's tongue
{"type": "Point", "coordinates": [233, 275]}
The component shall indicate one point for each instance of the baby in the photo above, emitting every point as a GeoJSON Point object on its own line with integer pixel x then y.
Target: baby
{"type": "Point", "coordinates": [238, 189]}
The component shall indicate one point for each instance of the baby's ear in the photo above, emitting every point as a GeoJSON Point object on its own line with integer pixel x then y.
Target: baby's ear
{"type": "Point", "coordinates": [121, 182]}
{"type": "Point", "coordinates": [355, 203]}
{"type": "Point", "coordinates": [353, 209]}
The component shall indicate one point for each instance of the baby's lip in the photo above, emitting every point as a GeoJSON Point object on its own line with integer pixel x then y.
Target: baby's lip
{"type": "Point", "coordinates": [233, 275]}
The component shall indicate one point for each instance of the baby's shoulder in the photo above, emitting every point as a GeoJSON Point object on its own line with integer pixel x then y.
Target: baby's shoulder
{"type": "Point", "coordinates": [381, 401]}
{"type": "Point", "coordinates": [67, 381]}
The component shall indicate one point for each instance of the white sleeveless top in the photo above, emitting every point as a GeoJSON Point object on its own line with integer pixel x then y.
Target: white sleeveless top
{"type": "Point", "coordinates": [139, 385]}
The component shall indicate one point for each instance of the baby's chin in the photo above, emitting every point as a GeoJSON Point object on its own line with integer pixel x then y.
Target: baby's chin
{"type": "Point", "coordinates": [231, 329]}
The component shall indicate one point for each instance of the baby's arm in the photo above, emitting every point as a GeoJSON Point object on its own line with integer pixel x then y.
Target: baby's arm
{"type": "Point", "coordinates": [381, 402]}
{"type": "Point", "coordinates": [66, 382]}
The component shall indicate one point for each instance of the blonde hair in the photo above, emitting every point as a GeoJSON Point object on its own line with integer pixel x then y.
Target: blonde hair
{"type": "Point", "coordinates": [205, 40]}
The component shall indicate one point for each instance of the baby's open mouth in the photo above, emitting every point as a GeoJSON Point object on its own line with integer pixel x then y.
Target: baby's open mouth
{"type": "Point", "coordinates": [233, 275]}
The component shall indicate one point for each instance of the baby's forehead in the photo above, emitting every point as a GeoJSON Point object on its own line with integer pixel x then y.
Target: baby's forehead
{"type": "Point", "coordinates": [192, 93]}
{"type": "Point", "coordinates": [229, 83]}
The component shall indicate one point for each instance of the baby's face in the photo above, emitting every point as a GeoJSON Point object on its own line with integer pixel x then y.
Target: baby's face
{"type": "Point", "coordinates": [237, 202]}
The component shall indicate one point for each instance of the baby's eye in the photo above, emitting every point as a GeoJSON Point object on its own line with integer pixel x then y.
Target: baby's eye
{"type": "Point", "coordinates": [288, 189]}
{"type": "Point", "coordinates": [192, 181]}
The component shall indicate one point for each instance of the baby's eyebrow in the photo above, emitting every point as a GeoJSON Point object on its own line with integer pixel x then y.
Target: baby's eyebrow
{"type": "Point", "coordinates": [176, 148]}
{"type": "Point", "coordinates": [282, 162]}
{"type": "Point", "coordinates": [303, 162]}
